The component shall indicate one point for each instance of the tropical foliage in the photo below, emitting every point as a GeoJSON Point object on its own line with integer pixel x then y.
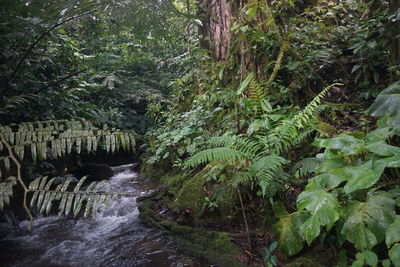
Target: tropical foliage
{"type": "Point", "coordinates": [55, 139]}
{"type": "Point", "coordinates": [281, 115]}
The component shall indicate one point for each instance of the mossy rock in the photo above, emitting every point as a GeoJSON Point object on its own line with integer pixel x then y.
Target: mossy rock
{"type": "Point", "coordinates": [214, 247]}
{"type": "Point", "coordinates": [191, 196]}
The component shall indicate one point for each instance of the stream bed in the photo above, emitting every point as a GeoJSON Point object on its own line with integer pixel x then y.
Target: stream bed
{"type": "Point", "coordinates": [116, 237]}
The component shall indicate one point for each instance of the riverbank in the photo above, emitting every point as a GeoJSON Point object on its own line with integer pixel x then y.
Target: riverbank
{"type": "Point", "coordinates": [214, 240]}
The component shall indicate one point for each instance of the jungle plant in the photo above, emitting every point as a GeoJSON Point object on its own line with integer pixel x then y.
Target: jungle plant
{"type": "Point", "coordinates": [258, 160]}
{"type": "Point", "coordinates": [347, 193]}
{"type": "Point", "coordinates": [42, 139]}
{"type": "Point", "coordinates": [268, 258]}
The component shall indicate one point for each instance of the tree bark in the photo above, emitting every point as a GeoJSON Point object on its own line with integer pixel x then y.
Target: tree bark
{"type": "Point", "coordinates": [217, 27]}
{"type": "Point", "coordinates": [394, 45]}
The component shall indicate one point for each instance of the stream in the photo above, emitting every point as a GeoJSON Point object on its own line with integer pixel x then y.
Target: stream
{"type": "Point", "coordinates": [116, 237]}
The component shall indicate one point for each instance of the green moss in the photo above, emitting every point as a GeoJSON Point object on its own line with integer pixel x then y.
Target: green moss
{"type": "Point", "coordinates": [191, 196]}
{"type": "Point", "coordinates": [214, 247]}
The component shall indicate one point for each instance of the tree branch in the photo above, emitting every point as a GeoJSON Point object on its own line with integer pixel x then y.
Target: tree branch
{"type": "Point", "coordinates": [59, 81]}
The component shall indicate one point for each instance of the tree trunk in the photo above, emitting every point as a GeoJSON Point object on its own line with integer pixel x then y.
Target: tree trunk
{"type": "Point", "coordinates": [217, 27]}
{"type": "Point", "coordinates": [394, 45]}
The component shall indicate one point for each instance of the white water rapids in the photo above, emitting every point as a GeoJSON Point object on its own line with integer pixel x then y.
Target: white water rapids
{"type": "Point", "coordinates": [116, 237]}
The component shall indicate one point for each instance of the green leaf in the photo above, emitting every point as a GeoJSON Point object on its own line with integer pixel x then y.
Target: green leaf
{"type": "Point", "coordinates": [365, 223]}
{"type": "Point", "coordinates": [33, 152]}
{"type": "Point", "coordinates": [290, 239]}
{"type": "Point", "coordinates": [393, 233]}
{"type": "Point", "coordinates": [387, 103]}
{"type": "Point", "coordinates": [364, 176]}
{"type": "Point", "coordinates": [245, 83]}
{"type": "Point", "coordinates": [394, 255]}
{"type": "Point", "coordinates": [377, 135]}
{"type": "Point", "coordinates": [324, 209]}
{"type": "Point", "coordinates": [369, 257]}
{"type": "Point", "coordinates": [386, 263]}
{"type": "Point", "coordinates": [6, 191]}
{"type": "Point", "coordinates": [346, 144]}
{"type": "Point", "coordinates": [383, 149]}
{"type": "Point", "coordinates": [328, 180]}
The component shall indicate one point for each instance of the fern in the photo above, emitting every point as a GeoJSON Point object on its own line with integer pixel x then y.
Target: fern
{"type": "Point", "coordinates": [56, 139]}
{"type": "Point", "coordinates": [14, 102]}
{"type": "Point", "coordinates": [290, 131]}
{"type": "Point", "coordinates": [63, 137]}
{"type": "Point", "coordinates": [306, 166]}
{"type": "Point", "coordinates": [6, 191]}
{"type": "Point", "coordinates": [219, 153]}
{"type": "Point", "coordinates": [70, 202]}
{"type": "Point", "coordinates": [247, 158]}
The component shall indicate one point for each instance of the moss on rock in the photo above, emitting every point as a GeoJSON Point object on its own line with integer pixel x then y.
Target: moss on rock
{"type": "Point", "coordinates": [191, 196]}
{"type": "Point", "coordinates": [214, 247]}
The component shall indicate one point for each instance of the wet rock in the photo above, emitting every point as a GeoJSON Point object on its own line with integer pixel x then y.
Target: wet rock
{"type": "Point", "coordinates": [97, 171]}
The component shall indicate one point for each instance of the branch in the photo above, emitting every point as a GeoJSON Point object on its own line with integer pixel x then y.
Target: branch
{"type": "Point", "coordinates": [19, 177]}
{"type": "Point", "coordinates": [59, 81]}
{"type": "Point", "coordinates": [40, 38]}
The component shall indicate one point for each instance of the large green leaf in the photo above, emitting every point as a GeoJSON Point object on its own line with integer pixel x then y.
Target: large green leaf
{"type": "Point", "coordinates": [324, 209]}
{"type": "Point", "coordinates": [288, 231]}
{"type": "Point", "coordinates": [394, 255]}
{"type": "Point", "coordinates": [364, 176]}
{"type": "Point", "coordinates": [244, 84]}
{"type": "Point", "coordinates": [377, 135]}
{"type": "Point", "coordinates": [366, 222]}
{"type": "Point", "coordinates": [387, 103]}
{"type": "Point", "coordinates": [346, 144]}
{"type": "Point", "coordinates": [329, 180]}
{"type": "Point", "coordinates": [393, 233]}
{"type": "Point", "coordinates": [383, 149]}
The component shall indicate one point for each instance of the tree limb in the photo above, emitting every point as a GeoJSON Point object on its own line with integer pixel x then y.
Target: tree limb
{"type": "Point", "coordinates": [59, 81]}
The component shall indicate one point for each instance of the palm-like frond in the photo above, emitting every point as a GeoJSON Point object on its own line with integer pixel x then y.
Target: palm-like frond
{"type": "Point", "coordinates": [56, 138]}
{"type": "Point", "coordinates": [6, 191]}
{"type": "Point", "coordinates": [70, 202]}
{"type": "Point", "coordinates": [63, 137]}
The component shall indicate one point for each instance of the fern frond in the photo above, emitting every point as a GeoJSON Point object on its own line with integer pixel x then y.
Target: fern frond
{"type": "Point", "coordinates": [63, 137]}
{"type": "Point", "coordinates": [242, 177]}
{"type": "Point", "coordinates": [70, 202]}
{"type": "Point", "coordinates": [287, 133]}
{"type": "Point", "coordinates": [306, 166]}
{"type": "Point", "coordinates": [242, 144]}
{"type": "Point", "coordinates": [6, 191]}
{"type": "Point", "coordinates": [15, 102]}
{"type": "Point", "coordinates": [222, 141]}
{"type": "Point", "coordinates": [219, 153]}
{"type": "Point", "coordinates": [269, 173]}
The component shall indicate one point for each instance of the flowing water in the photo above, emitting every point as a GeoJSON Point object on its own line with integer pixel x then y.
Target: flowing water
{"type": "Point", "coordinates": [116, 237]}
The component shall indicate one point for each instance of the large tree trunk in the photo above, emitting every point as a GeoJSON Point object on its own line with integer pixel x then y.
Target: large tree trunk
{"type": "Point", "coordinates": [217, 27]}
{"type": "Point", "coordinates": [394, 49]}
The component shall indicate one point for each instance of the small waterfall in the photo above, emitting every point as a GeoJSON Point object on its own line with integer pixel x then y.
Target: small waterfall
{"type": "Point", "coordinates": [116, 237]}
